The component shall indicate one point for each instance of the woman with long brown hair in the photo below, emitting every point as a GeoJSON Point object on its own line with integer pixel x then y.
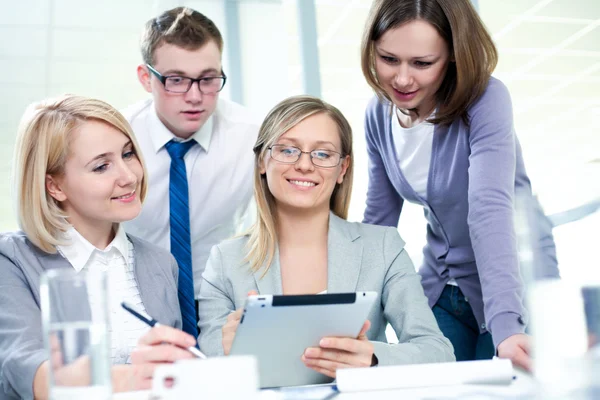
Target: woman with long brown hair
{"type": "Point", "coordinates": [440, 134]}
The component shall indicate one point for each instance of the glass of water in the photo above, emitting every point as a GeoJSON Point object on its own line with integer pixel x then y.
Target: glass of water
{"type": "Point", "coordinates": [565, 313]}
{"type": "Point", "coordinates": [75, 322]}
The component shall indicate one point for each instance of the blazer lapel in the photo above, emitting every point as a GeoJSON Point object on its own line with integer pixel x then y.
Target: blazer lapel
{"type": "Point", "coordinates": [151, 285]}
{"type": "Point", "coordinates": [270, 283]}
{"type": "Point", "coordinates": [344, 255]}
{"type": "Point", "coordinates": [344, 258]}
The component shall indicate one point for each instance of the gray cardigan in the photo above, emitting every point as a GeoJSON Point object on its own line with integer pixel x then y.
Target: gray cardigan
{"type": "Point", "coordinates": [474, 174]}
{"type": "Point", "coordinates": [360, 258]}
{"type": "Point", "coordinates": [22, 264]}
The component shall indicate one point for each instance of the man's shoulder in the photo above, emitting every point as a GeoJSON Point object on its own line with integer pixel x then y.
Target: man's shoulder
{"type": "Point", "coordinates": [235, 116]}
{"type": "Point", "coordinates": [136, 110]}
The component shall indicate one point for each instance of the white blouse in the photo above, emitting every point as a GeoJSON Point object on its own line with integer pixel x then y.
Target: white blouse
{"type": "Point", "coordinates": [413, 149]}
{"type": "Point", "coordinates": [118, 259]}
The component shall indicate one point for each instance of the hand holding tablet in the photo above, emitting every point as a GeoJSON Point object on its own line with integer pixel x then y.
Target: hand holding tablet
{"type": "Point", "coordinates": [228, 330]}
{"type": "Point", "coordinates": [278, 330]}
{"type": "Point", "coordinates": [338, 352]}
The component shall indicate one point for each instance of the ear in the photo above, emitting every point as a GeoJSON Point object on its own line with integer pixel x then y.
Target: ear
{"type": "Point", "coordinates": [345, 165]}
{"type": "Point", "coordinates": [262, 166]}
{"type": "Point", "coordinates": [144, 77]}
{"type": "Point", "coordinates": [53, 189]}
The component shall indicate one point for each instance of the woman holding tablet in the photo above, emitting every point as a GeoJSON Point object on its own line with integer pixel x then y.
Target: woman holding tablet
{"type": "Point", "coordinates": [440, 134]}
{"type": "Point", "coordinates": [302, 244]}
{"type": "Point", "coordinates": [79, 174]}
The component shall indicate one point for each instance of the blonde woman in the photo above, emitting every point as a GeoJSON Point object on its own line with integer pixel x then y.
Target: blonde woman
{"type": "Point", "coordinates": [79, 174]}
{"type": "Point", "coordinates": [302, 244]}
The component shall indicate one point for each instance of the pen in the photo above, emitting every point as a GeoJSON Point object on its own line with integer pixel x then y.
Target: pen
{"type": "Point", "coordinates": [142, 316]}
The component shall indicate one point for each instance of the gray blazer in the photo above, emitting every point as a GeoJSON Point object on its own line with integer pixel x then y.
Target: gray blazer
{"type": "Point", "coordinates": [22, 264]}
{"type": "Point", "coordinates": [360, 257]}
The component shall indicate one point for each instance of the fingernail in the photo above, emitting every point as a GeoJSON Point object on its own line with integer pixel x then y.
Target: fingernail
{"type": "Point", "coordinates": [324, 342]}
{"type": "Point", "coordinates": [310, 352]}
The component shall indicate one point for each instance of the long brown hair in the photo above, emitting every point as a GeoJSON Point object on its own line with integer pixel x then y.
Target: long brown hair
{"type": "Point", "coordinates": [470, 46]}
{"type": "Point", "coordinates": [283, 117]}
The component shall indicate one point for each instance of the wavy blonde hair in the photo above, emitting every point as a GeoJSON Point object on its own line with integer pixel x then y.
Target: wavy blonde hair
{"type": "Point", "coordinates": [469, 43]}
{"type": "Point", "coordinates": [42, 149]}
{"type": "Point", "coordinates": [283, 117]}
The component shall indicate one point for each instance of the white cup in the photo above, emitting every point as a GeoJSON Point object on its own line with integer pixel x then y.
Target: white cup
{"type": "Point", "coordinates": [560, 339]}
{"type": "Point", "coordinates": [216, 378]}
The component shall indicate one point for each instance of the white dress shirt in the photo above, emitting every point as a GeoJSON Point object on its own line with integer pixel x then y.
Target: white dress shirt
{"type": "Point", "coordinates": [118, 259]}
{"type": "Point", "coordinates": [220, 178]}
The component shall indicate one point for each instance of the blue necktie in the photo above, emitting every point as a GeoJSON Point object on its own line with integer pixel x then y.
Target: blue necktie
{"type": "Point", "coordinates": [181, 246]}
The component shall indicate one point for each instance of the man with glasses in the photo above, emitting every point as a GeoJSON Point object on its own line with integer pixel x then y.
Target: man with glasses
{"type": "Point", "coordinates": [197, 147]}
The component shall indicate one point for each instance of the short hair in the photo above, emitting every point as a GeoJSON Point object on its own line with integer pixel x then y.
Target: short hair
{"type": "Point", "coordinates": [42, 148]}
{"type": "Point", "coordinates": [182, 27]}
{"type": "Point", "coordinates": [470, 46]}
{"type": "Point", "coordinates": [283, 117]}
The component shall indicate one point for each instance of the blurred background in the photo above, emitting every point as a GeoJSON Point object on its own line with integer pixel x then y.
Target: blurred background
{"type": "Point", "coordinates": [549, 59]}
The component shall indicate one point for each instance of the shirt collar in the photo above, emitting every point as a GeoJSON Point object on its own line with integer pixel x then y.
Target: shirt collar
{"type": "Point", "coordinates": [79, 251]}
{"type": "Point", "coordinates": [161, 135]}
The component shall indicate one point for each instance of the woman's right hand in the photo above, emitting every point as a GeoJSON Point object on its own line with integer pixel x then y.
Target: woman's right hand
{"type": "Point", "coordinates": [228, 330]}
{"type": "Point", "coordinates": [161, 345]}
{"type": "Point", "coordinates": [517, 349]}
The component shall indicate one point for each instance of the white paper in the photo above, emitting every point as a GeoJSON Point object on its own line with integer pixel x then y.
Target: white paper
{"type": "Point", "coordinates": [486, 372]}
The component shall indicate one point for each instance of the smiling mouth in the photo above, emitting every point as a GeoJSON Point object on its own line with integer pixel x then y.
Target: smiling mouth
{"type": "Point", "coordinates": [405, 93]}
{"type": "Point", "coordinates": [125, 196]}
{"type": "Point", "coordinates": [302, 183]}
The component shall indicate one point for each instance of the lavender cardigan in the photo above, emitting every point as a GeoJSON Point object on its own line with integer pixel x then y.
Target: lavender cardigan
{"type": "Point", "coordinates": [474, 172]}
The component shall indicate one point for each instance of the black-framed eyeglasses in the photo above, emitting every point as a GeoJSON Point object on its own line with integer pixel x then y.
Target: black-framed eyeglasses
{"type": "Point", "coordinates": [319, 157]}
{"type": "Point", "coordinates": [182, 84]}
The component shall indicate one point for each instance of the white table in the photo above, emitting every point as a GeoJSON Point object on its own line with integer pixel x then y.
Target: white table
{"type": "Point", "coordinates": [523, 385]}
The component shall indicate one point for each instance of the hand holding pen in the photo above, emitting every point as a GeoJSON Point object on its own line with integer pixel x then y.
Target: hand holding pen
{"type": "Point", "coordinates": [160, 345]}
{"type": "Point", "coordinates": [163, 336]}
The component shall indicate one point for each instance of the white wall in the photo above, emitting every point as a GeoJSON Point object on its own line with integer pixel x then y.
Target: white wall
{"type": "Point", "coordinates": [549, 58]}
{"type": "Point", "coordinates": [51, 47]}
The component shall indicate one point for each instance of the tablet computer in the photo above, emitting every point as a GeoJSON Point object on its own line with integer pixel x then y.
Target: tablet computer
{"type": "Point", "coordinates": [277, 330]}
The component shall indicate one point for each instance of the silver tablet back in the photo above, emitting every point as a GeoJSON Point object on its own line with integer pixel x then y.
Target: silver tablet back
{"type": "Point", "coordinates": [277, 330]}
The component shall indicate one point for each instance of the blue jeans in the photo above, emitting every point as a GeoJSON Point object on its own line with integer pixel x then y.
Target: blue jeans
{"type": "Point", "coordinates": [457, 322]}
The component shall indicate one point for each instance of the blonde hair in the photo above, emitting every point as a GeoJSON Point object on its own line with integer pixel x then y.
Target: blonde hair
{"type": "Point", "coordinates": [180, 26]}
{"type": "Point", "coordinates": [283, 117]}
{"type": "Point", "coordinates": [470, 46]}
{"type": "Point", "coordinates": [42, 149]}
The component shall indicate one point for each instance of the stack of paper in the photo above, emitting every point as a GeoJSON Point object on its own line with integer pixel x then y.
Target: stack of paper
{"type": "Point", "coordinates": [486, 372]}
